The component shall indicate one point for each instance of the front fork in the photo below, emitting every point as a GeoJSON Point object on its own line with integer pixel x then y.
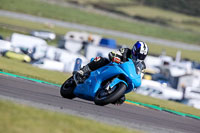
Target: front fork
{"type": "Point", "coordinates": [77, 67]}
{"type": "Point", "coordinates": [109, 87]}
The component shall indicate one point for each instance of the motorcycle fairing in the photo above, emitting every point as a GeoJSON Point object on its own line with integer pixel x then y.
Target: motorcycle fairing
{"type": "Point", "coordinates": [88, 89]}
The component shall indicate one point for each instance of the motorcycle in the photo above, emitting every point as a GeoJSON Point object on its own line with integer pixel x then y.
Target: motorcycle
{"type": "Point", "coordinates": [105, 85]}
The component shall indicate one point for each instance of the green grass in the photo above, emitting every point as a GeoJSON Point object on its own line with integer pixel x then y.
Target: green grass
{"type": "Point", "coordinates": [10, 25]}
{"type": "Point", "coordinates": [158, 49]}
{"type": "Point", "coordinates": [32, 25]}
{"type": "Point", "coordinates": [36, 7]}
{"type": "Point", "coordinates": [23, 69]}
{"type": "Point", "coordinates": [163, 103]}
{"type": "Point", "coordinates": [137, 8]}
{"type": "Point", "coordinates": [154, 48]}
{"type": "Point", "coordinates": [87, 2]}
{"type": "Point", "coordinates": [185, 54]}
{"type": "Point", "coordinates": [5, 32]}
{"type": "Point", "coordinates": [173, 19]}
{"type": "Point", "coordinates": [25, 119]}
{"type": "Point", "coordinates": [16, 118]}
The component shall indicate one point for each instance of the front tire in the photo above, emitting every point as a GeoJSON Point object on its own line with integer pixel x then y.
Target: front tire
{"type": "Point", "coordinates": [67, 88]}
{"type": "Point", "coordinates": [114, 96]}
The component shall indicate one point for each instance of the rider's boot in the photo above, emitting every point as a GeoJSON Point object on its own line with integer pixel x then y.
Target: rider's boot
{"type": "Point", "coordinates": [82, 74]}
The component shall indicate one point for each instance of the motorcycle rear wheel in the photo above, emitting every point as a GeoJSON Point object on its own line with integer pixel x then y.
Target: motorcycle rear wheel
{"type": "Point", "coordinates": [114, 96]}
{"type": "Point", "coordinates": [67, 88]}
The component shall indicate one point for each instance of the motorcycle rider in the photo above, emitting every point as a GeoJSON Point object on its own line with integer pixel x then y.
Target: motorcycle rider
{"type": "Point", "coordinates": [138, 53]}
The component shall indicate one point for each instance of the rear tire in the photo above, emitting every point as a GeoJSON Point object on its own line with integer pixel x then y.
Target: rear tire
{"type": "Point", "coordinates": [114, 96]}
{"type": "Point", "coordinates": [67, 88]}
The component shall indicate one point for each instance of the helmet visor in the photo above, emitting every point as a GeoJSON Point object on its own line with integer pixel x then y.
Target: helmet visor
{"type": "Point", "coordinates": [141, 56]}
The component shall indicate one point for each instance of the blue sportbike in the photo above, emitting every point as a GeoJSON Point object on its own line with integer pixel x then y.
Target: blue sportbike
{"type": "Point", "coordinates": [104, 85]}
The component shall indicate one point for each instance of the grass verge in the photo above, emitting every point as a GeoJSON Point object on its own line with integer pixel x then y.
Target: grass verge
{"type": "Point", "coordinates": [17, 118]}
{"type": "Point", "coordinates": [171, 105]}
{"type": "Point", "coordinates": [44, 9]}
{"type": "Point", "coordinates": [24, 69]}
{"type": "Point", "coordinates": [58, 78]}
{"type": "Point", "coordinates": [20, 24]}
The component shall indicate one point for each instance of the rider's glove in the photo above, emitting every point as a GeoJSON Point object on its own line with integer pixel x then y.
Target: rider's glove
{"type": "Point", "coordinates": [140, 66]}
{"type": "Point", "coordinates": [116, 59]}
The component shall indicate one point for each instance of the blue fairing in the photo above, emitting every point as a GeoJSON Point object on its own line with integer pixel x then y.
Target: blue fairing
{"type": "Point", "coordinates": [116, 81]}
{"type": "Point", "coordinates": [88, 89]}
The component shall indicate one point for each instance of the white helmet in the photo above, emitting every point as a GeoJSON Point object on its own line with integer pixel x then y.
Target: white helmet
{"type": "Point", "coordinates": [140, 50]}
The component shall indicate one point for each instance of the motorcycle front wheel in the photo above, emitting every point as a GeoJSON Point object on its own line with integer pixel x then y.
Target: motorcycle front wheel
{"type": "Point", "coordinates": [118, 92]}
{"type": "Point", "coordinates": [67, 88]}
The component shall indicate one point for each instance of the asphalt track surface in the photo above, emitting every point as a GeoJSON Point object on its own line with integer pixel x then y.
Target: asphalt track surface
{"type": "Point", "coordinates": [126, 115]}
